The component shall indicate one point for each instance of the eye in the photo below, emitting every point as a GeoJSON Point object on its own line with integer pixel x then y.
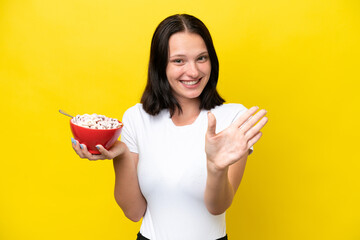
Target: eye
{"type": "Point", "coordinates": [178, 61]}
{"type": "Point", "coordinates": [203, 58]}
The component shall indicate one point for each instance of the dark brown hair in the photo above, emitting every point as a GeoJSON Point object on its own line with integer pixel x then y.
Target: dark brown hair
{"type": "Point", "coordinates": [158, 94]}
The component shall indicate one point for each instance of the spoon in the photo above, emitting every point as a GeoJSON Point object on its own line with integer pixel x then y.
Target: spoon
{"type": "Point", "coordinates": [61, 111]}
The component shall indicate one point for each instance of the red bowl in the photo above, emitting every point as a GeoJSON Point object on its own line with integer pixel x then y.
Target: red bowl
{"type": "Point", "coordinates": [92, 137]}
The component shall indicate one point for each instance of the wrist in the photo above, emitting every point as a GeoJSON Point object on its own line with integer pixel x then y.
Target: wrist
{"type": "Point", "coordinates": [216, 169]}
{"type": "Point", "coordinates": [121, 150]}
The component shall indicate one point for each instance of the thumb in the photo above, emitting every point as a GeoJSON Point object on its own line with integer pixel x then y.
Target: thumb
{"type": "Point", "coordinates": [211, 124]}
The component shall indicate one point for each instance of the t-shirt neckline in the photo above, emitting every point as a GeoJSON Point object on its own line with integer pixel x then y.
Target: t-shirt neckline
{"type": "Point", "coordinates": [185, 126]}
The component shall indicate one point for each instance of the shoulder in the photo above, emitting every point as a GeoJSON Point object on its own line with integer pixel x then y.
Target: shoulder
{"type": "Point", "coordinates": [137, 115]}
{"type": "Point", "coordinates": [134, 111]}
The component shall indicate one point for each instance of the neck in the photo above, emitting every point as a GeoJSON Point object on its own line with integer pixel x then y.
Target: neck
{"type": "Point", "coordinates": [190, 111]}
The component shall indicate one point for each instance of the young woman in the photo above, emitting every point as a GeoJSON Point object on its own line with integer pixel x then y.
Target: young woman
{"type": "Point", "coordinates": [182, 152]}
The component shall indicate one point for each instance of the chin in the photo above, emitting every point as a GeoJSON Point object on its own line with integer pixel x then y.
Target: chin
{"type": "Point", "coordinates": [192, 96]}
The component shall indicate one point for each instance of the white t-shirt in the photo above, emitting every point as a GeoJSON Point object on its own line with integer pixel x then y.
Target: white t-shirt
{"type": "Point", "coordinates": [172, 172]}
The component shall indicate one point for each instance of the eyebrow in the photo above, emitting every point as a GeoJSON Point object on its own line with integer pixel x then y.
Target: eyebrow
{"type": "Point", "coordinates": [182, 55]}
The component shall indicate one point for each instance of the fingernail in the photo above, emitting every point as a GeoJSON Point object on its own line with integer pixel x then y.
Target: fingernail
{"type": "Point", "coordinates": [81, 146]}
{"type": "Point", "coordinates": [98, 147]}
{"type": "Point", "coordinates": [73, 141]}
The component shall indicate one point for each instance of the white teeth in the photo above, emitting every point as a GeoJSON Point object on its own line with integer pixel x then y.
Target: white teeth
{"type": "Point", "coordinates": [190, 82]}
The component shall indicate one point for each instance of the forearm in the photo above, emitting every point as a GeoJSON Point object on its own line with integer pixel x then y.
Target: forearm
{"type": "Point", "coordinates": [222, 184]}
{"type": "Point", "coordinates": [218, 192]}
{"type": "Point", "coordinates": [127, 190]}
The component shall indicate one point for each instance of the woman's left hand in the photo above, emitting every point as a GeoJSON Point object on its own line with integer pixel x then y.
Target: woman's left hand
{"type": "Point", "coordinates": [230, 145]}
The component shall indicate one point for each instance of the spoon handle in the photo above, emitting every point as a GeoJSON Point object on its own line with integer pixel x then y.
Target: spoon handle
{"type": "Point", "coordinates": [61, 111]}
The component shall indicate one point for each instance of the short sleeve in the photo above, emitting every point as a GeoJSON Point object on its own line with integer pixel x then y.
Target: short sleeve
{"type": "Point", "coordinates": [128, 133]}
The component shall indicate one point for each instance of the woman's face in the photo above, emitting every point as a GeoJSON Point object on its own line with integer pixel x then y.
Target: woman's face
{"type": "Point", "coordinates": [189, 67]}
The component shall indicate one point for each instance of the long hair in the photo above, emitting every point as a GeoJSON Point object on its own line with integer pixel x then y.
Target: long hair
{"type": "Point", "coordinates": [158, 94]}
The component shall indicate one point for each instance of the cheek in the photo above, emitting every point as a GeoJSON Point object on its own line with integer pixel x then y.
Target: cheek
{"type": "Point", "coordinates": [173, 73]}
{"type": "Point", "coordinates": [206, 68]}
{"type": "Point", "coordinates": [209, 68]}
{"type": "Point", "coordinates": [167, 71]}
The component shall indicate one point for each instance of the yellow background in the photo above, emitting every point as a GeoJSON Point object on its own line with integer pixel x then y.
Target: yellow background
{"type": "Point", "coordinates": [297, 59]}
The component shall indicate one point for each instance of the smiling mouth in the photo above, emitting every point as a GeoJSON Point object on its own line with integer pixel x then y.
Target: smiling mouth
{"type": "Point", "coordinates": [190, 83]}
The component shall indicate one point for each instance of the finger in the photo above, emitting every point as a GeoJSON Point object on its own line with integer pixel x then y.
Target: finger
{"type": "Point", "coordinates": [253, 140]}
{"type": "Point", "coordinates": [243, 118]}
{"type": "Point", "coordinates": [211, 125]}
{"type": "Point", "coordinates": [104, 153]}
{"type": "Point", "coordinates": [73, 141]}
{"type": "Point", "coordinates": [95, 157]}
{"type": "Point", "coordinates": [90, 156]}
{"type": "Point", "coordinates": [76, 147]}
{"type": "Point", "coordinates": [253, 120]}
{"type": "Point", "coordinates": [85, 152]}
{"type": "Point", "coordinates": [253, 131]}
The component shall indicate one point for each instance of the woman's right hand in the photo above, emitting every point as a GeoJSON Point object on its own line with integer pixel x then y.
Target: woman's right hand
{"type": "Point", "coordinates": [117, 149]}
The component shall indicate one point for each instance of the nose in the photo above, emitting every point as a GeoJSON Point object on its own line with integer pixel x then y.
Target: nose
{"type": "Point", "coordinates": [192, 70]}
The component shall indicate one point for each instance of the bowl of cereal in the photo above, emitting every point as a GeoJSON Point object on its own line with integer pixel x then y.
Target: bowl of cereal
{"type": "Point", "coordinates": [95, 129]}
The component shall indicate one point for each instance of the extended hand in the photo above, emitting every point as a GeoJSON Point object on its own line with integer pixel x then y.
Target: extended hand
{"type": "Point", "coordinates": [230, 145]}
